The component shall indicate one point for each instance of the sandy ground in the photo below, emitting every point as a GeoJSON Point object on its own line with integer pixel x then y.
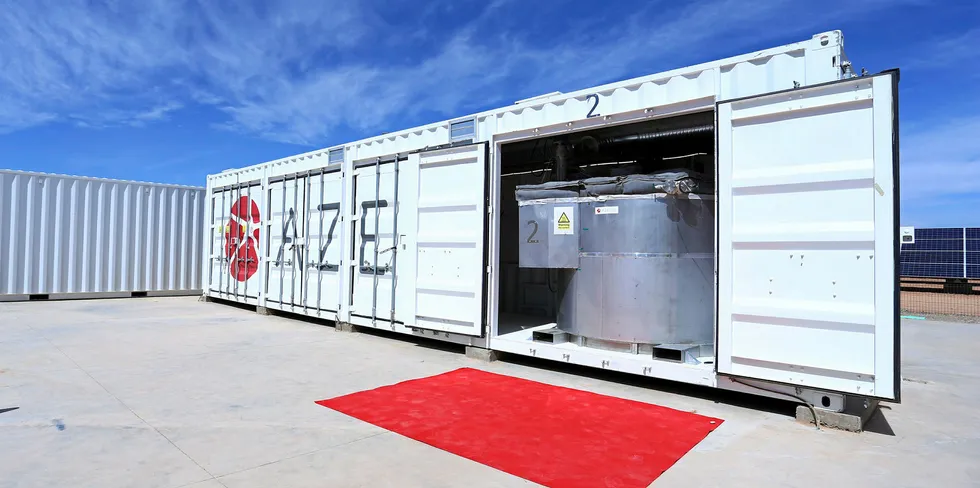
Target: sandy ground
{"type": "Point", "coordinates": [171, 392]}
{"type": "Point", "coordinates": [967, 306]}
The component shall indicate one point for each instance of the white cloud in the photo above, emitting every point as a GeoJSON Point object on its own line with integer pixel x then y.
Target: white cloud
{"type": "Point", "coordinates": [941, 160]}
{"type": "Point", "coordinates": [957, 50]}
{"type": "Point", "coordinates": [940, 152]}
{"type": "Point", "coordinates": [282, 70]}
{"type": "Point", "coordinates": [940, 173]}
{"type": "Point", "coordinates": [112, 117]}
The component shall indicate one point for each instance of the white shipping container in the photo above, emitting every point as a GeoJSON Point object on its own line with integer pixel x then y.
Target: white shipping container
{"type": "Point", "coordinates": [417, 231]}
{"type": "Point", "coordinates": [75, 237]}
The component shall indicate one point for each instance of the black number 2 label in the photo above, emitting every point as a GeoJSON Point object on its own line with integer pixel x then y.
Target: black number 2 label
{"type": "Point", "coordinates": [594, 105]}
{"type": "Point", "coordinates": [530, 238]}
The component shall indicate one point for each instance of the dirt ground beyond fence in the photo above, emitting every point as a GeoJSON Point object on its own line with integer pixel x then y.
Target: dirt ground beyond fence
{"type": "Point", "coordinates": [930, 303]}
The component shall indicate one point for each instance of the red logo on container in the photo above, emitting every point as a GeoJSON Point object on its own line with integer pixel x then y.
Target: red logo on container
{"type": "Point", "coordinates": [241, 247]}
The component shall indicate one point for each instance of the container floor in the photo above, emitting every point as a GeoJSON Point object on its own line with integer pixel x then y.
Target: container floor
{"type": "Point", "coordinates": [172, 392]}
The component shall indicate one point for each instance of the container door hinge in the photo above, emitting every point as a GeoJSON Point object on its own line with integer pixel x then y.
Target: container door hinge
{"type": "Point", "coordinates": [489, 269]}
{"type": "Point", "coordinates": [489, 209]}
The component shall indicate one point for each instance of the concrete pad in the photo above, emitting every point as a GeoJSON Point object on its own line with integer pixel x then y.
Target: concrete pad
{"type": "Point", "coordinates": [234, 391]}
{"type": "Point", "coordinates": [383, 460]}
{"type": "Point", "coordinates": [346, 327]}
{"type": "Point", "coordinates": [258, 444]}
{"type": "Point", "coordinates": [482, 354]}
{"type": "Point", "coordinates": [31, 355]}
{"type": "Point", "coordinates": [92, 456]}
{"type": "Point", "coordinates": [14, 332]}
{"type": "Point", "coordinates": [69, 396]}
{"type": "Point", "coordinates": [851, 419]}
{"type": "Point", "coordinates": [205, 484]}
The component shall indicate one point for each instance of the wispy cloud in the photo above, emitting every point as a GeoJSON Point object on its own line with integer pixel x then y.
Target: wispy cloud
{"type": "Point", "coordinates": [295, 71]}
{"type": "Point", "coordinates": [113, 117]}
{"type": "Point", "coordinates": [955, 50]}
{"type": "Point", "coordinates": [942, 160]}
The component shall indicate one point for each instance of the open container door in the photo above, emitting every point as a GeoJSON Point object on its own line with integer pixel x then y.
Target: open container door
{"type": "Point", "coordinates": [450, 279]}
{"type": "Point", "coordinates": [807, 237]}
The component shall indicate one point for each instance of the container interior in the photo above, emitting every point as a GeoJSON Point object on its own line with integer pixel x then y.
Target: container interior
{"type": "Point", "coordinates": [530, 298]}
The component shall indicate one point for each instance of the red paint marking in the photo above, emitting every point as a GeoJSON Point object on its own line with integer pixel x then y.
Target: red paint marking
{"type": "Point", "coordinates": [547, 434]}
{"type": "Point", "coordinates": [240, 246]}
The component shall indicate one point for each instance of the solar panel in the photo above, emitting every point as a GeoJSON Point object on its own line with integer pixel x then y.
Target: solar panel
{"type": "Point", "coordinates": [941, 252]}
{"type": "Point", "coordinates": [933, 257]}
{"type": "Point", "coordinates": [941, 233]}
{"type": "Point", "coordinates": [932, 270]}
{"type": "Point", "coordinates": [935, 245]}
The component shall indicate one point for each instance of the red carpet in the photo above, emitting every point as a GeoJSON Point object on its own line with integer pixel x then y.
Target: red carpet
{"type": "Point", "coordinates": [551, 435]}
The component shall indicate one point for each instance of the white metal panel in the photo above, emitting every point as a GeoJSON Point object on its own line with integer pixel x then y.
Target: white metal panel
{"type": "Point", "coordinates": [325, 221]}
{"type": "Point", "coordinates": [806, 264]}
{"type": "Point", "coordinates": [285, 252]}
{"type": "Point", "coordinates": [250, 174]}
{"type": "Point", "coordinates": [300, 163]}
{"type": "Point", "coordinates": [402, 142]}
{"type": "Point", "coordinates": [235, 242]}
{"type": "Point", "coordinates": [809, 62]}
{"type": "Point", "coordinates": [64, 236]}
{"type": "Point", "coordinates": [451, 239]}
{"type": "Point", "coordinates": [888, 361]}
{"type": "Point", "coordinates": [373, 249]}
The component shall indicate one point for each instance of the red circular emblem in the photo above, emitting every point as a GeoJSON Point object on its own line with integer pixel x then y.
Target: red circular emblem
{"type": "Point", "coordinates": [241, 246]}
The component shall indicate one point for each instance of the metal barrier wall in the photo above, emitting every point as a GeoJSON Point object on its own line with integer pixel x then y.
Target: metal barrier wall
{"type": "Point", "coordinates": [75, 237]}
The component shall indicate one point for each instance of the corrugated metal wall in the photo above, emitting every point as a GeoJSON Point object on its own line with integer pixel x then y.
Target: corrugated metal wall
{"type": "Point", "coordinates": [67, 237]}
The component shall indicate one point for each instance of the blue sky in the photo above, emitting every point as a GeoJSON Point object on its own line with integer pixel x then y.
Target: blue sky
{"type": "Point", "coordinates": [170, 91]}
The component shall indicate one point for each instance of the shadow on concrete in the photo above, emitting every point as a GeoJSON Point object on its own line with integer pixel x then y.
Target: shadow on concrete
{"type": "Point", "coordinates": [878, 424]}
{"type": "Point", "coordinates": [738, 399]}
{"type": "Point", "coordinates": [727, 397]}
{"type": "Point", "coordinates": [238, 305]}
{"type": "Point", "coordinates": [433, 343]}
{"type": "Point", "coordinates": [5, 410]}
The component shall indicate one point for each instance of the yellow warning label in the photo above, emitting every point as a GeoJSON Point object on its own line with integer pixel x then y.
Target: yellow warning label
{"type": "Point", "coordinates": [564, 221]}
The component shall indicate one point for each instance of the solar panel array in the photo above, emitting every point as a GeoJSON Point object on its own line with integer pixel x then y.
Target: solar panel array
{"type": "Point", "coordinates": [943, 253]}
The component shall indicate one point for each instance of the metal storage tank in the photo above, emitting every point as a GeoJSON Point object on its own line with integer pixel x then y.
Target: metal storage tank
{"type": "Point", "coordinates": [645, 271]}
{"type": "Point", "coordinates": [77, 237]}
{"type": "Point", "coordinates": [638, 267]}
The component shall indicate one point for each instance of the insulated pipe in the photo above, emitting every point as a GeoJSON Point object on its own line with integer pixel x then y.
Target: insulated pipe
{"type": "Point", "coordinates": [650, 136]}
{"type": "Point", "coordinates": [563, 156]}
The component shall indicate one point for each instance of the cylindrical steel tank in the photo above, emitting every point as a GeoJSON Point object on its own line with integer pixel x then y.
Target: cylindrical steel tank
{"type": "Point", "coordinates": [646, 267]}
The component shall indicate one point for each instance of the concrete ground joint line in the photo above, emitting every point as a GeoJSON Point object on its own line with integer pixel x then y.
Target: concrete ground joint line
{"type": "Point", "coordinates": [203, 354]}
{"type": "Point", "coordinates": [192, 483]}
{"type": "Point", "coordinates": [287, 458]}
{"type": "Point", "coordinates": [130, 409]}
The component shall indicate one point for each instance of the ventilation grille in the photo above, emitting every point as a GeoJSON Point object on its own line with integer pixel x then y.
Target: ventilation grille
{"type": "Point", "coordinates": [462, 132]}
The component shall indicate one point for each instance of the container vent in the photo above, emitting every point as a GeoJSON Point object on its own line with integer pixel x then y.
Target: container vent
{"type": "Point", "coordinates": [335, 156]}
{"type": "Point", "coordinates": [462, 132]}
